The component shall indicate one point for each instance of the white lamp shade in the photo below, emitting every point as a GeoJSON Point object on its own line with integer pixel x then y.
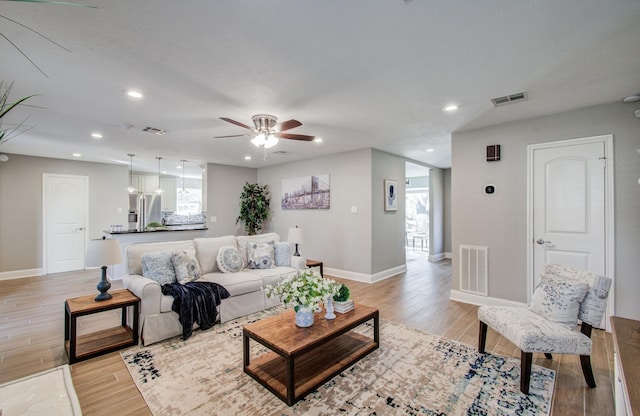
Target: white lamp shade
{"type": "Point", "coordinates": [259, 140]}
{"type": "Point", "coordinates": [102, 252]}
{"type": "Point", "coordinates": [295, 235]}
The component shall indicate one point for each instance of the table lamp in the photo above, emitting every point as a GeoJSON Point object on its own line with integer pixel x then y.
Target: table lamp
{"type": "Point", "coordinates": [101, 253]}
{"type": "Point", "coordinates": [295, 236]}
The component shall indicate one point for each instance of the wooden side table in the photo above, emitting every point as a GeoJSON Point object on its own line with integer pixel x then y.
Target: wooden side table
{"type": "Point", "coordinates": [315, 263]}
{"type": "Point", "coordinates": [107, 340]}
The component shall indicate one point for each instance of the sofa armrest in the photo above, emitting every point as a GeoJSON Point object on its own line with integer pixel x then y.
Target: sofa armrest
{"type": "Point", "coordinates": [298, 262]}
{"type": "Point", "coordinates": [149, 292]}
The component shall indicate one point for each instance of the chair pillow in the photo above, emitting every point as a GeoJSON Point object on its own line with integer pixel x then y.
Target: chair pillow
{"type": "Point", "coordinates": [283, 251]}
{"type": "Point", "coordinates": [229, 260]}
{"type": "Point", "coordinates": [261, 255]}
{"type": "Point", "coordinates": [558, 299]}
{"type": "Point", "coordinates": [186, 266]}
{"type": "Point", "coordinates": [158, 266]}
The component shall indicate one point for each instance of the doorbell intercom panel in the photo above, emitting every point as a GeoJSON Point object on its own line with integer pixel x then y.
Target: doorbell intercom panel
{"type": "Point", "coordinates": [489, 189]}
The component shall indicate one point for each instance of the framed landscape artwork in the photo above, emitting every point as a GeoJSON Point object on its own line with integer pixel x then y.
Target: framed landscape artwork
{"type": "Point", "coordinates": [308, 192]}
{"type": "Point", "coordinates": [390, 195]}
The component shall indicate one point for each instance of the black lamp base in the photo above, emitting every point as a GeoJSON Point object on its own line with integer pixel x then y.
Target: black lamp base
{"type": "Point", "coordinates": [297, 253]}
{"type": "Point", "coordinates": [103, 286]}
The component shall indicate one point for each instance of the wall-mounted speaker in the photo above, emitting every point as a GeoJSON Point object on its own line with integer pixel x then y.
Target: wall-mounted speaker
{"type": "Point", "coordinates": [493, 153]}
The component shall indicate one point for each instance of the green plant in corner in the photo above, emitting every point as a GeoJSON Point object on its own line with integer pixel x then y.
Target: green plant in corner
{"type": "Point", "coordinates": [254, 207]}
{"type": "Point", "coordinates": [5, 107]}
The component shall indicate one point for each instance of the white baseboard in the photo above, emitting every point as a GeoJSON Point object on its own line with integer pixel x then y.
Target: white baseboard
{"type": "Point", "coordinates": [18, 274]}
{"type": "Point", "coordinates": [448, 255]}
{"type": "Point", "coordinates": [481, 300]}
{"type": "Point", "coordinates": [436, 257]}
{"type": "Point", "coordinates": [366, 278]}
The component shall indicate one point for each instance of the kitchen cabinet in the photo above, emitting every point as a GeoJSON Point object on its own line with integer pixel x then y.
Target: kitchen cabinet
{"type": "Point", "coordinates": [169, 196]}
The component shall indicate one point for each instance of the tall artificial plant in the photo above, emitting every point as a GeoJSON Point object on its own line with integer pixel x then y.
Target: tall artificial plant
{"type": "Point", "coordinates": [5, 107]}
{"type": "Point", "coordinates": [254, 207]}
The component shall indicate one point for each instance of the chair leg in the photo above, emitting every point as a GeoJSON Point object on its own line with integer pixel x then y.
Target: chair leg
{"type": "Point", "coordinates": [482, 337]}
{"type": "Point", "coordinates": [585, 362]}
{"type": "Point", "coordinates": [548, 356]}
{"type": "Point", "coordinates": [526, 359]}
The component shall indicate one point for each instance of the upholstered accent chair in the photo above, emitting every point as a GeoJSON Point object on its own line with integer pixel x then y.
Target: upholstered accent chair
{"type": "Point", "coordinates": [548, 325]}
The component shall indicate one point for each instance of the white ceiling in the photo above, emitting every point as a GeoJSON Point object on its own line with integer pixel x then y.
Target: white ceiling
{"type": "Point", "coordinates": [358, 73]}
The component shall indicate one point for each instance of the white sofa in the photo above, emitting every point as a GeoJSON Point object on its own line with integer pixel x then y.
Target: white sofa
{"type": "Point", "coordinates": [159, 322]}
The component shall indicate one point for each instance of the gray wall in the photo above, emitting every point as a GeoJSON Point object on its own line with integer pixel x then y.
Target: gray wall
{"type": "Point", "coordinates": [436, 208]}
{"type": "Point", "coordinates": [340, 239]}
{"type": "Point", "coordinates": [224, 186]}
{"type": "Point", "coordinates": [447, 210]}
{"type": "Point", "coordinates": [21, 204]}
{"type": "Point", "coordinates": [499, 221]}
{"type": "Point", "coordinates": [387, 227]}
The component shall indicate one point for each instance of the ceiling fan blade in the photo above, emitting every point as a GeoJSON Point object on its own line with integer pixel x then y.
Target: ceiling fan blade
{"type": "Point", "coordinates": [237, 123]}
{"type": "Point", "coordinates": [287, 125]}
{"type": "Point", "coordinates": [233, 135]}
{"type": "Point", "coordinates": [301, 137]}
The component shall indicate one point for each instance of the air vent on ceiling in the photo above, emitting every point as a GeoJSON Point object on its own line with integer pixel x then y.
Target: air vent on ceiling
{"type": "Point", "coordinates": [155, 130]}
{"type": "Point", "coordinates": [509, 99]}
{"type": "Point", "coordinates": [279, 152]}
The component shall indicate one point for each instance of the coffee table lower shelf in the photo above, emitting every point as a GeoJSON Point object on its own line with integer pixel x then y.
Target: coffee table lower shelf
{"type": "Point", "coordinates": [311, 369]}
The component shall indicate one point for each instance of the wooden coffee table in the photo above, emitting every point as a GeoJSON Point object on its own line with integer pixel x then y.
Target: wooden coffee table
{"type": "Point", "coordinates": [302, 359]}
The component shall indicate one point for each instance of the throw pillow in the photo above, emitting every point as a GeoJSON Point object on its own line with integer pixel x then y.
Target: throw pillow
{"type": "Point", "coordinates": [229, 260]}
{"type": "Point", "coordinates": [186, 266]}
{"type": "Point", "coordinates": [261, 255]}
{"type": "Point", "coordinates": [158, 266]}
{"type": "Point", "coordinates": [283, 253]}
{"type": "Point", "coordinates": [558, 299]}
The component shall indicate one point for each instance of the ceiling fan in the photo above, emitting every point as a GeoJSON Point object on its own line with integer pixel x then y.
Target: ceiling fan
{"type": "Point", "coordinates": [268, 131]}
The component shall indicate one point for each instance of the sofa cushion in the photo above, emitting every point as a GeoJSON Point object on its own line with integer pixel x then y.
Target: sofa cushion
{"type": "Point", "coordinates": [274, 275]}
{"type": "Point", "coordinates": [244, 240]}
{"type": "Point", "coordinates": [229, 260]}
{"type": "Point", "coordinates": [284, 250]}
{"type": "Point", "coordinates": [186, 266]}
{"type": "Point", "coordinates": [207, 250]}
{"type": "Point", "coordinates": [135, 252]}
{"type": "Point", "coordinates": [166, 302]}
{"type": "Point", "coordinates": [261, 255]}
{"type": "Point", "coordinates": [158, 266]}
{"type": "Point", "coordinates": [236, 283]}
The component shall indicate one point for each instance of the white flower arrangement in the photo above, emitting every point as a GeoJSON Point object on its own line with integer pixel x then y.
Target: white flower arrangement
{"type": "Point", "coordinates": [305, 290]}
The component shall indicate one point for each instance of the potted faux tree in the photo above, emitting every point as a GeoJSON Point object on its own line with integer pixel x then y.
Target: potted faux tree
{"type": "Point", "coordinates": [5, 107]}
{"type": "Point", "coordinates": [254, 207]}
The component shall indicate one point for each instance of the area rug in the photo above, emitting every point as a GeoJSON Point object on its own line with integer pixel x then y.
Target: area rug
{"type": "Point", "coordinates": [413, 373]}
{"type": "Point", "coordinates": [50, 392]}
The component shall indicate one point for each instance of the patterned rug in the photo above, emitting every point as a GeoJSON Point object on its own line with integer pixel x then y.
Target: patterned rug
{"type": "Point", "coordinates": [412, 373]}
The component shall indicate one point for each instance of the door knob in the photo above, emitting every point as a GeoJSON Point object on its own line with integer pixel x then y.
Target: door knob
{"type": "Point", "coordinates": [79, 229]}
{"type": "Point", "coordinates": [541, 241]}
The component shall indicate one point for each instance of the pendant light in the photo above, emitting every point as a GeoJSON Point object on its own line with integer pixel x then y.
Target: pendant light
{"type": "Point", "coordinates": [183, 191]}
{"type": "Point", "coordinates": [131, 188]}
{"type": "Point", "coordinates": [159, 189]}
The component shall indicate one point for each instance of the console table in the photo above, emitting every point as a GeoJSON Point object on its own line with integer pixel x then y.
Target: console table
{"type": "Point", "coordinates": [626, 337]}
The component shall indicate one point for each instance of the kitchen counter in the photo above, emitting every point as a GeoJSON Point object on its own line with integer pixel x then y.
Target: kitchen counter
{"type": "Point", "coordinates": [127, 238]}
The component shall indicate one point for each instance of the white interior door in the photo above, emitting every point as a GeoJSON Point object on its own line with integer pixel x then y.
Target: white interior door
{"type": "Point", "coordinates": [65, 212]}
{"type": "Point", "coordinates": [570, 204]}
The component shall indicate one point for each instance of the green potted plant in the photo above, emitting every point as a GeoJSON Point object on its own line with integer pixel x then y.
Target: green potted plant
{"type": "Point", "coordinates": [254, 207]}
{"type": "Point", "coordinates": [341, 301]}
{"type": "Point", "coordinates": [5, 107]}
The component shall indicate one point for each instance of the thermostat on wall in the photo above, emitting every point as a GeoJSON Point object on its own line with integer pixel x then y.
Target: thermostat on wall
{"type": "Point", "coordinates": [489, 189]}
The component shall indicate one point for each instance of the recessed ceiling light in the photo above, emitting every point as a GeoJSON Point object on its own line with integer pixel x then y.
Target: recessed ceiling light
{"type": "Point", "coordinates": [247, 157]}
{"type": "Point", "coordinates": [450, 107]}
{"type": "Point", "coordinates": [96, 135]}
{"type": "Point", "coordinates": [77, 155]}
{"type": "Point", "coordinates": [430, 150]}
{"type": "Point", "coordinates": [318, 140]}
{"type": "Point", "coordinates": [134, 94]}
{"type": "Point", "coordinates": [631, 99]}
{"type": "Point", "coordinates": [178, 167]}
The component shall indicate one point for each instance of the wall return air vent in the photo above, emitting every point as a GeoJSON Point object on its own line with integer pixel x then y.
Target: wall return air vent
{"type": "Point", "coordinates": [155, 130]}
{"type": "Point", "coordinates": [509, 99]}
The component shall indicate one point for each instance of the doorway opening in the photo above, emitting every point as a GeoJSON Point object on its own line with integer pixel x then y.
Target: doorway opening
{"type": "Point", "coordinates": [417, 211]}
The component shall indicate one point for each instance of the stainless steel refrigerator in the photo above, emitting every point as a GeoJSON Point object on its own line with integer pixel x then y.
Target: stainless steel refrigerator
{"type": "Point", "coordinates": [149, 209]}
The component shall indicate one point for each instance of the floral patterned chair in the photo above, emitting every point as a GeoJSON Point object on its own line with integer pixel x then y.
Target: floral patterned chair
{"type": "Point", "coordinates": [548, 325]}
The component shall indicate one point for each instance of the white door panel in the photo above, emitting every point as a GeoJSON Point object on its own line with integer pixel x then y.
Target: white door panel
{"type": "Point", "coordinates": [65, 215]}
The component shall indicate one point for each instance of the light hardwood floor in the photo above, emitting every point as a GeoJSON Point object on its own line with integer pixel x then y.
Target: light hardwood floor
{"type": "Point", "coordinates": [31, 336]}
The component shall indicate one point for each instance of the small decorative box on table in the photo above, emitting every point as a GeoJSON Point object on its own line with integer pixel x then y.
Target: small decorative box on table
{"type": "Point", "coordinates": [107, 340]}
